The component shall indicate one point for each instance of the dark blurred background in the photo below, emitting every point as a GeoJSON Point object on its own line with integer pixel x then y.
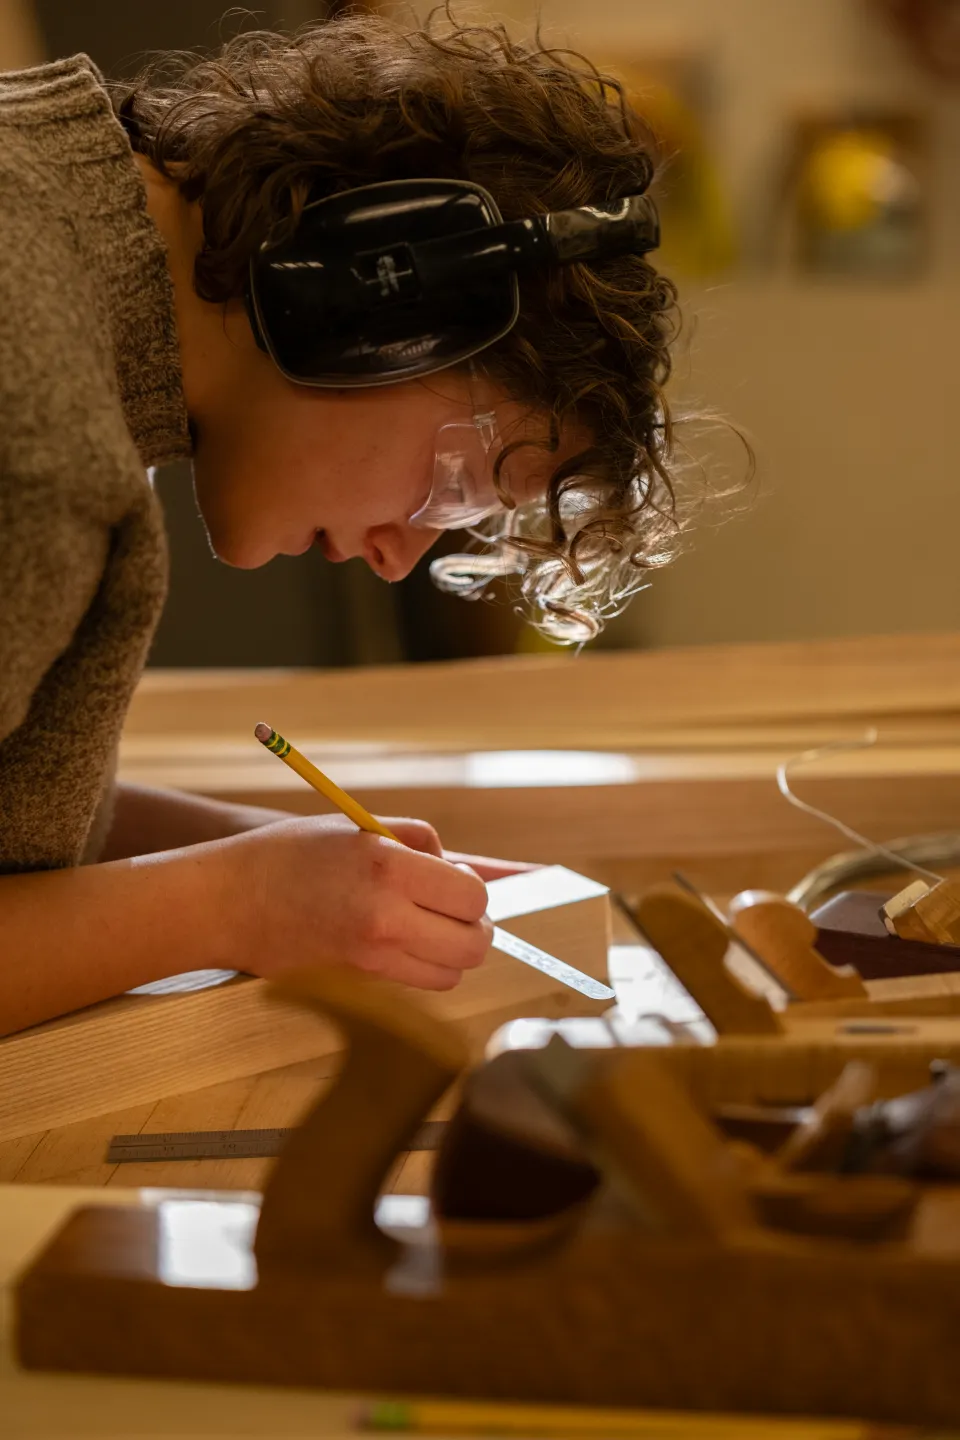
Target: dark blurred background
{"type": "Point", "coordinates": [812, 219]}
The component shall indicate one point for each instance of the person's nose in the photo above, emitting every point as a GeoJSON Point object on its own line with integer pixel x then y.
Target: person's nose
{"type": "Point", "coordinates": [392, 551]}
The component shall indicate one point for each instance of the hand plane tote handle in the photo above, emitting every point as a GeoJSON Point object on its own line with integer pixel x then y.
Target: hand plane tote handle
{"type": "Point", "coordinates": [318, 1206]}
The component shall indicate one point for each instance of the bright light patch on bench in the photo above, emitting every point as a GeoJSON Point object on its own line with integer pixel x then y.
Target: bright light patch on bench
{"type": "Point", "coordinates": [500, 768]}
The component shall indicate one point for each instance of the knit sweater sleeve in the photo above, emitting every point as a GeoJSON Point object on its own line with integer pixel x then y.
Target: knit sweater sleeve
{"type": "Point", "coordinates": [54, 502]}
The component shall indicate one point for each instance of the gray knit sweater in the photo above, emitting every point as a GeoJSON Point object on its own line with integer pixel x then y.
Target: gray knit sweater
{"type": "Point", "coordinates": [90, 394]}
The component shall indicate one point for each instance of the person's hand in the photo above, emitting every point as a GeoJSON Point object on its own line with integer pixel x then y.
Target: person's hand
{"type": "Point", "coordinates": [314, 889]}
{"type": "Point", "coordinates": [488, 868]}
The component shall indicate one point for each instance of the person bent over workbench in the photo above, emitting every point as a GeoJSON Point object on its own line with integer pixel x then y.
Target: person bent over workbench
{"type": "Point", "coordinates": [376, 284]}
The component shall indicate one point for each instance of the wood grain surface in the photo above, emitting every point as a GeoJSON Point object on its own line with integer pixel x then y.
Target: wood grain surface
{"type": "Point", "coordinates": [141, 1047]}
{"type": "Point", "coordinates": [73, 1154]}
{"type": "Point", "coordinates": [560, 701]}
{"type": "Point", "coordinates": [622, 766]}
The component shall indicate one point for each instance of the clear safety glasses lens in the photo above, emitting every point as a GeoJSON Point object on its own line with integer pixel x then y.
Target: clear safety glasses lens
{"type": "Point", "coordinates": [462, 492]}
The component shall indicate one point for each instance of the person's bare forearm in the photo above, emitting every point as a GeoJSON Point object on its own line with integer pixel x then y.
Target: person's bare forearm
{"type": "Point", "coordinates": [69, 938]}
{"type": "Point", "coordinates": [146, 821]}
{"type": "Point", "coordinates": [309, 890]}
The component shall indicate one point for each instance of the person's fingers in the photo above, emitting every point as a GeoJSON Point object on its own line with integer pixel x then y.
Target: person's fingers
{"type": "Point", "coordinates": [442, 941]}
{"type": "Point", "coordinates": [417, 834]}
{"type": "Point", "coordinates": [408, 969]}
{"type": "Point", "coordinates": [446, 889]}
{"type": "Point", "coordinates": [390, 920]}
{"type": "Point", "coordinates": [489, 868]}
{"type": "Point", "coordinates": [428, 881]}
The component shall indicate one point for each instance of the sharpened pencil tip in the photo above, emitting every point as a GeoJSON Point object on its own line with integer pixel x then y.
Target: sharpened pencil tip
{"type": "Point", "coordinates": [262, 732]}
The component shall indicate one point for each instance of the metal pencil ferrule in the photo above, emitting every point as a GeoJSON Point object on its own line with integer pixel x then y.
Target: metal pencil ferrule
{"type": "Point", "coordinates": [278, 745]}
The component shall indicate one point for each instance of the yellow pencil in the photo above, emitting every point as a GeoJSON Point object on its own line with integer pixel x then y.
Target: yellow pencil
{"type": "Point", "coordinates": [480, 1418]}
{"type": "Point", "coordinates": [344, 802]}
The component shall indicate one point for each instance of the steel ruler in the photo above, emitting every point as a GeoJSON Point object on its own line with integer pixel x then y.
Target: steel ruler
{"type": "Point", "coordinates": [230, 1144]}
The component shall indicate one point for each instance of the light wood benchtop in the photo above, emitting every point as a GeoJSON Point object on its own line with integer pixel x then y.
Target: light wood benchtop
{"type": "Point", "coordinates": [607, 700]}
{"type": "Point", "coordinates": [74, 1154]}
{"type": "Point", "coordinates": [643, 761]}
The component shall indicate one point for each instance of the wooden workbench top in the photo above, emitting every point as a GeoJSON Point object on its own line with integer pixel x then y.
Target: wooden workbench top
{"type": "Point", "coordinates": [624, 766]}
{"type": "Point", "coordinates": [75, 1154]}
{"type": "Point", "coordinates": [564, 701]}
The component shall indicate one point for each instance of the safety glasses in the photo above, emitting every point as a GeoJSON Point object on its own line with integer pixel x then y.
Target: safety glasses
{"type": "Point", "coordinates": [463, 492]}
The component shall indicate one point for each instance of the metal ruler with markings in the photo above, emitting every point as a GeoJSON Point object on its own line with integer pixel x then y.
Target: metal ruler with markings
{"type": "Point", "coordinates": [230, 1144]}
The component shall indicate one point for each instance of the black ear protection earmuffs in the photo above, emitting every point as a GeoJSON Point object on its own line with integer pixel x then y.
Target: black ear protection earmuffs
{"type": "Point", "coordinates": [398, 280]}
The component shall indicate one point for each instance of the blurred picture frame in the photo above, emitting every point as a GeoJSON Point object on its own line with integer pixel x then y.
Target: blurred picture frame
{"type": "Point", "coordinates": [857, 194]}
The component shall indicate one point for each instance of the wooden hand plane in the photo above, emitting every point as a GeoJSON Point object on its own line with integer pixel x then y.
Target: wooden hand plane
{"type": "Point", "coordinates": [689, 1276]}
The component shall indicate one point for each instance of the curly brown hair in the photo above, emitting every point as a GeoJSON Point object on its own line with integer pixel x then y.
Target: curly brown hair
{"type": "Point", "coordinates": [273, 120]}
